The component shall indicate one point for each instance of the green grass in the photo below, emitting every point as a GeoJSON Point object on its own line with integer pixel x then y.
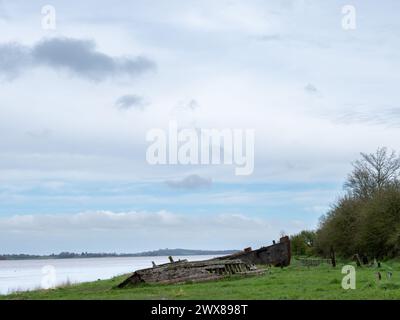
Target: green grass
{"type": "Point", "coordinates": [294, 282]}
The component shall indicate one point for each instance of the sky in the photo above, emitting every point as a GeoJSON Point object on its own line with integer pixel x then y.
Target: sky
{"type": "Point", "coordinates": [77, 100]}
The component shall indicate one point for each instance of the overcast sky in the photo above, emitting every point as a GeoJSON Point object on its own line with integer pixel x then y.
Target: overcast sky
{"type": "Point", "coordinates": [76, 103]}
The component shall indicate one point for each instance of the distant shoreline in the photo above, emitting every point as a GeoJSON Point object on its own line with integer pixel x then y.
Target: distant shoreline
{"type": "Point", "coordinates": [155, 253]}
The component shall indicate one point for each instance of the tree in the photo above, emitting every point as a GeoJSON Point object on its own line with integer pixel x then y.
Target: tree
{"type": "Point", "coordinates": [338, 228]}
{"type": "Point", "coordinates": [378, 233]}
{"type": "Point", "coordinates": [303, 243]}
{"type": "Point", "coordinates": [366, 220]}
{"type": "Point", "coordinates": [373, 173]}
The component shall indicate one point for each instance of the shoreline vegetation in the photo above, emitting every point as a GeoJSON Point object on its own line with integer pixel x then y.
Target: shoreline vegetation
{"type": "Point", "coordinates": [363, 224]}
{"type": "Point", "coordinates": [155, 253]}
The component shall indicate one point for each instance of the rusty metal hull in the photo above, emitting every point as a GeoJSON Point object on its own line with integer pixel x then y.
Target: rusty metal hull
{"type": "Point", "coordinates": [278, 255]}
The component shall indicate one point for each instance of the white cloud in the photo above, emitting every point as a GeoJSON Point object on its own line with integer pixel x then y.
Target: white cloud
{"type": "Point", "coordinates": [132, 231]}
{"type": "Point", "coordinates": [108, 221]}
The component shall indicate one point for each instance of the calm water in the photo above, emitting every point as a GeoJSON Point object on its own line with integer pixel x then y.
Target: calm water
{"type": "Point", "coordinates": [33, 274]}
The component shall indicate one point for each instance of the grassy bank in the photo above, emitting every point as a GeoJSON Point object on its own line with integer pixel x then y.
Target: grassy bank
{"type": "Point", "coordinates": [294, 282]}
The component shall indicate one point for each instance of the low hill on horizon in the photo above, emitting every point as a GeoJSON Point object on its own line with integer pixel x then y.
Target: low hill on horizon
{"type": "Point", "coordinates": [154, 253]}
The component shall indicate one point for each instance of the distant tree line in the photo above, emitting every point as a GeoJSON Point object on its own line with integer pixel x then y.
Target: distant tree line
{"type": "Point", "coordinates": [62, 255]}
{"type": "Point", "coordinates": [155, 253]}
{"type": "Point", "coordinates": [366, 220]}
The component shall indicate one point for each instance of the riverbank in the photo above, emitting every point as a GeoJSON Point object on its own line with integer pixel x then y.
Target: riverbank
{"type": "Point", "coordinates": [294, 282]}
{"type": "Point", "coordinates": [23, 275]}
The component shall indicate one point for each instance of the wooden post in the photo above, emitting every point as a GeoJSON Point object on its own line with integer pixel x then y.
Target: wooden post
{"type": "Point", "coordinates": [357, 258]}
{"type": "Point", "coordinates": [333, 258]}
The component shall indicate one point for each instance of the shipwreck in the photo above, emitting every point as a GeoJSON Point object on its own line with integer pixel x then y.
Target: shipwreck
{"type": "Point", "coordinates": [241, 263]}
{"type": "Point", "coordinates": [277, 255]}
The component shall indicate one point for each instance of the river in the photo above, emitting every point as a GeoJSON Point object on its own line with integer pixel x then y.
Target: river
{"type": "Point", "coordinates": [23, 275]}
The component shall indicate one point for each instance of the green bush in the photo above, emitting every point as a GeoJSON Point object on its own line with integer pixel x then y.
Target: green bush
{"type": "Point", "coordinates": [302, 244]}
{"type": "Point", "coordinates": [368, 227]}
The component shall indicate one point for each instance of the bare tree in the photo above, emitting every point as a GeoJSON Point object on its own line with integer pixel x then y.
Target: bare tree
{"type": "Point", "coordinates": [374, 172]}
